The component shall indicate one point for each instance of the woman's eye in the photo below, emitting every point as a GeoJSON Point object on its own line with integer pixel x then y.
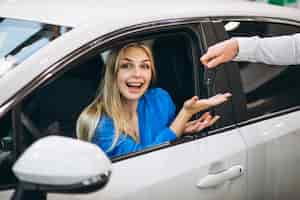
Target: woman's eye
{"type": "Point", "coordinates": [125, 66]}
{"type": "Point", "coordinates": [145, 66]}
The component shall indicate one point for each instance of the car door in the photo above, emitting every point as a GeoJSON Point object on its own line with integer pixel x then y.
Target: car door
{"type": "Point", "coordinates": [182, 169]}
{"type": "Point", "coordinates": [269, 116]}
{"type": "Point", "coordinates": [207, 165]}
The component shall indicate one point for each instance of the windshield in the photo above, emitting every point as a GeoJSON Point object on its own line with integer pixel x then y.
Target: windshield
{"type": "Point", "coordinates": [19, 39]}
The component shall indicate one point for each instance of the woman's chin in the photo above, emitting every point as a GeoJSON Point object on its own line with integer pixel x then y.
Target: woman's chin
{"type": "Point", "coordinates": [133, 95]}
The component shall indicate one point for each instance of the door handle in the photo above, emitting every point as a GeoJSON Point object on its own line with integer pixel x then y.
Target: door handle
{"type": "Point", "coordinates": [213, 180]}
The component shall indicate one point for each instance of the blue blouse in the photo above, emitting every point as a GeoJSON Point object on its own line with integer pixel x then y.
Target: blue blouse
{"type": "Point", "coordinates": [156, 112]}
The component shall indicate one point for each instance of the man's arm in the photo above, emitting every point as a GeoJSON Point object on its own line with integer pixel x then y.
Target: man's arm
{"type": "Point", "coordinates": [283, 50]}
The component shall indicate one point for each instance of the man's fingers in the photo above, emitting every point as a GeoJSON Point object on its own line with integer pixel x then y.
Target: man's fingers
{"type": "Point", "coordinates": [220, 53]}
{"type": "Point", "coordinates": [211, 54]}
{"type": "Point", "coordinates": [215, 61]}
{"type": "Point", "coordinates": [207, 57]}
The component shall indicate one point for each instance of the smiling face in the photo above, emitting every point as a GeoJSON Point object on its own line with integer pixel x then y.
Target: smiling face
{"type": "Point", "coordinates": [134, 73]}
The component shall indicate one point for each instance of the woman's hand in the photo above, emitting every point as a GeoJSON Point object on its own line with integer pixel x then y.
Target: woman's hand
{"type": "Point", "coordinates": [195, 105]}
{"type": "Point", "coordinates": [206, 120]}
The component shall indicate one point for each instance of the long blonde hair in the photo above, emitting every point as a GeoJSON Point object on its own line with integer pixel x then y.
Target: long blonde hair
{"type": "Point", "coordinates": [109, 100]}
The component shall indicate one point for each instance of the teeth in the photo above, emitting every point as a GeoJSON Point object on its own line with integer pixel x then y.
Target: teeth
{"type": "Point", "coordinates": [134, 84]}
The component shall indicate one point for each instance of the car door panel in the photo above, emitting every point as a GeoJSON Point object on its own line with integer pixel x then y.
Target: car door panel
{"type": "Point", "coordinates": [173, 173]}
{"type": "Point", "coordinates": [274, 158]}
{"type": "Point", "coordinates": [6, 194]}
{"type": "Point", "coordinates": [268, 125]}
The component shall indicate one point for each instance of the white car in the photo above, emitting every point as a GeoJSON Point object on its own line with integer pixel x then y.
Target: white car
{"type": "Point", "coordinates": [52, 56]}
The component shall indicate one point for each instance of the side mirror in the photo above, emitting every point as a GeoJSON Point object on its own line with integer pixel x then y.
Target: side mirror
{"type": "Point", "coordinates": [63, 165]}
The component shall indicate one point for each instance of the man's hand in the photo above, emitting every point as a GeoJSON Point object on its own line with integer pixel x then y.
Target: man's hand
{"type": "Point", "coordinates": [220, 53]}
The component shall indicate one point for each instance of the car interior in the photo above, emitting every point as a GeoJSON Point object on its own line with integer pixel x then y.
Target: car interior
{"type": "Point", "coordinates": [173, 61]}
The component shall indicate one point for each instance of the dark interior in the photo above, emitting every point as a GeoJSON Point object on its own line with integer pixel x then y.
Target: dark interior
{"type": "Point", "coordinates": [174, 67]}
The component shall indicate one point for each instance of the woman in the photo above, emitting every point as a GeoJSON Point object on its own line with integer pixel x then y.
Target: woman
{"type": "Point", "coordinates": [128, 116]}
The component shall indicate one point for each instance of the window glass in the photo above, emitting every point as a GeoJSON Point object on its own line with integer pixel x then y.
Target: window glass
{"type": "Point", "coordinates": [6, 151]}
{"type": "Point", "coordinates": [268, 88]}
{"type": "Point", "coordinates": [19, 39]}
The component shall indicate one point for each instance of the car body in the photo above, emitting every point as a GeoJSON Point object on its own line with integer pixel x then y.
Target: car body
{"type": "Point", "coordinates": [258, 132]}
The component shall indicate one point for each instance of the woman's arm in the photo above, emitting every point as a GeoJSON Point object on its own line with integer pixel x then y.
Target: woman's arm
{"type": "Point", "coordinates": [104, 138]}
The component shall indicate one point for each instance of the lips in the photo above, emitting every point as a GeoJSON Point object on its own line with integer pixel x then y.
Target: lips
{"type": "Point", "coordinates": [134, 84]}
{"type": "Point", "coordinates": [134, 87]}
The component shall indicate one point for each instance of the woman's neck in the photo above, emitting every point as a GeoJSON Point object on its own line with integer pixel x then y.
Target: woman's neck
{"type": "Point", "coordinates": [131, 107]}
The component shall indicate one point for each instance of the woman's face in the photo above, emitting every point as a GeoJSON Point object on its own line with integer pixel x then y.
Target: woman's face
{"type": "Point", "coordinates": [134, 74]}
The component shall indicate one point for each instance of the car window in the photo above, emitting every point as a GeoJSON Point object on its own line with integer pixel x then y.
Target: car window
{"type": "Point", "coordinates": [268, 88]}
{"type": "Point", "coordinates": [54, 107]}
{"type": "Point", "coordinates": [19, 39]}
{"type": "Point", "coordinates": [6, 151]}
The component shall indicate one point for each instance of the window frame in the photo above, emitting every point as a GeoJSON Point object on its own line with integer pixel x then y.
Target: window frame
{"type": "Point", "coordinates": [102, 43]}
{"type": "Point", "coordinates": [222, 78]}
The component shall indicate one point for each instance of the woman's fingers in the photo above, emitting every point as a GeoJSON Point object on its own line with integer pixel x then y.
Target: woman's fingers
{"type": "Point", "coordinates": [203, 104]}
{"type": "Point", "coordinates": [195, 105]}
{"type": "Point", "coordinates": [218, 99]}
{"type": "Point", "coordinates": [206, 120]}
{"type": "Point", "coordinates": [204, 116]}
{"type": "Point", "coordinates": [194, 126]}
{"type": "Point", "coordinates": [214, 120]}
{"type": "Point", "coordinates": [190, 102]}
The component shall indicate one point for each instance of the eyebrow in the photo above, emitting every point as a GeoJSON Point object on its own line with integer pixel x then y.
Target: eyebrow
{"type": "Point", "coordinates": [128, 59]}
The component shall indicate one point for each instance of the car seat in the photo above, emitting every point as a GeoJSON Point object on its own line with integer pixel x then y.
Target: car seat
{"type": "Point", "coordinates": [54, 108]}
{"type": "Point", "coordinates": [174, 67]}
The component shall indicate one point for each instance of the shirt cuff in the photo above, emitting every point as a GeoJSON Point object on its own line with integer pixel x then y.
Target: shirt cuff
{"type": "Point", "coordinates": [247, 48]}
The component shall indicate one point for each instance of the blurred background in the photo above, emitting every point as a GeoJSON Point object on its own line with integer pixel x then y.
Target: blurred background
{"type": "Point", "coordinates": [289, 3]}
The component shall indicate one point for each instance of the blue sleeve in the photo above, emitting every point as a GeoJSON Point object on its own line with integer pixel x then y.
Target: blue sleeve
{"type": "Point", "coordinates": [166, 114]}
{"type": "Point", "coordinates": [104, 137]}
{"type": "Point", "coordinates": [165, 104]}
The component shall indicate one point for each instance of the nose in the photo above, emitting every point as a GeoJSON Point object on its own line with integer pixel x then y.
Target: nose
{"type": "Point", "coordinates": [137, 71]}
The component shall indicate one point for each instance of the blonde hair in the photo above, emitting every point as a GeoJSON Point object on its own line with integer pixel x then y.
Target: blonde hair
{"type": "Point", "coordinates": [109, 99]}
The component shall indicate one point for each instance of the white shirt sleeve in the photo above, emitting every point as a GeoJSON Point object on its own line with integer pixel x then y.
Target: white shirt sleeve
{"type": "Point", "coordinates": [282, 50]}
